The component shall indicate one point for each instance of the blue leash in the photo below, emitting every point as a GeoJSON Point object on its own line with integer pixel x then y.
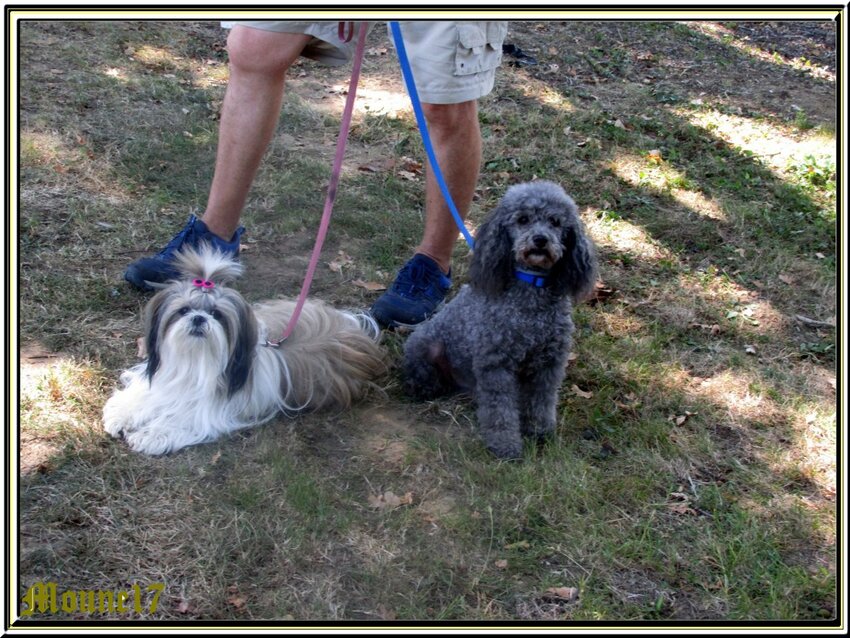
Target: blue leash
{"type": "Point", "coordinates": [423, 129]}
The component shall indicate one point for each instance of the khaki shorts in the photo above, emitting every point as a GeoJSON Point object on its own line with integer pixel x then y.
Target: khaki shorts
{"type": "Point", "coordinates": [452, 61]}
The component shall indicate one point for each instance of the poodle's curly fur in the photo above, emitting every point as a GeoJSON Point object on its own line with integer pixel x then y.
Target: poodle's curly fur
{"type": "Point", "coordinates": [505, 338]}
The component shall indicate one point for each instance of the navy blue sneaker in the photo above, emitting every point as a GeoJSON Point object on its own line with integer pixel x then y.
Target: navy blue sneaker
{"type": "Point", "coordinates": [419, 290]}
{"type": "Point", "coordinates": [160, 267]}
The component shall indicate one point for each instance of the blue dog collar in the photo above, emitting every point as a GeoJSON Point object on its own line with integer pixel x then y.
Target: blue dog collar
{"type": "Point", "coordinates": [538, 281]}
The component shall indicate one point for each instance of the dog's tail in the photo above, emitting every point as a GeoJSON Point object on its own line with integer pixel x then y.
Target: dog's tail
{"type": "Point", "coordinates": [332, 357]}
{"type": "Point", "coordinates": [208, 264]}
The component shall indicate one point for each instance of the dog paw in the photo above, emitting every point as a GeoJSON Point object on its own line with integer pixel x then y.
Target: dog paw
{"type": "Point", "coordinates": [506, 448]}
{"type": "Point", "coordinates": [539, 432]}
{"type": "Point", "coordinates": [116, 427]}
{"type": "Point", "coordinates": [113, 428]}
{"type": "Point", "coordinates": [150, 442]}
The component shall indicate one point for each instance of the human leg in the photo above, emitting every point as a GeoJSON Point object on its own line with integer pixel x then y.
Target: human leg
{"type": "Point", "coordinates": [456, 137]}
{"type": "Point", "coordinates": [259, 60]}
{"type": "Point", "coordinates": [258, 63]}
{"type": "Point", "coordinates": [260, 53]}
{"type": "Point", "coordinates": [453, 65]}
{"type": "Point", "coordinates": [424, 281]}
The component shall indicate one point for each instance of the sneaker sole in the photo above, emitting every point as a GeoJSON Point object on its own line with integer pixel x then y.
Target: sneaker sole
{"type": "Point", "coordinates": [396, 325]}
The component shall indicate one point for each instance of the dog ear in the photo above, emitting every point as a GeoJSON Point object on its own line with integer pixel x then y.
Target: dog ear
{"type": "Point", "coordinates": [492, 258]}
{"type": "Point", "coordinates": [575, 272]}
{"type": "Point", "coordinates": [152, 322]}
{"type": "Point", "coordinates": [244, 345]}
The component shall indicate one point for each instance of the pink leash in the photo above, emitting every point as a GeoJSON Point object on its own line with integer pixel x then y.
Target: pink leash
{"type": "Point", "coordinates": [334, 183]}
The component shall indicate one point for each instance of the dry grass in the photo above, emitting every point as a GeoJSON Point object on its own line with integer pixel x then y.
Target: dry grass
{"type": "Point", "coordinates": [693, 475]}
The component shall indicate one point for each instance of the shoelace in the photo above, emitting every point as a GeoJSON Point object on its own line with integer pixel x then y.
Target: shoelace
{"type": "Point", "coordinates": [412, 278]}
{"type": "Point", "coordinates": [178, 239]}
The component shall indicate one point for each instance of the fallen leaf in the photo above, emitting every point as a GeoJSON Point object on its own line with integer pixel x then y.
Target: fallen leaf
{"type": "Point", "coordinates": [750, 349]}
{"type": "Point", "coordinates": [630, 407]}
{"type": "Point", "coordinates": [501, 564]}
{"type": "Point", "coordinates": [786, 279]}
{"type": "Point", "coordinates": [215, 458]}
{"type": "Point", "coordinates": [141, 348]}
{"type": "Point", "coordinates": [523, 544]}
{"type": "Point", "coordinates": [601, 292]}
{"type": "Point", "coordinates": [340, 262]}
{"type": "Point", "coordinates": [372, 286]}
{"type": "Point", "coordinates": [412, 165]}
{"type": "Point", "coordinates": [679, 419]}
{"type": "Point", "coordinates": [654, 156]}
{"type": "Point", "coordinates": [182, 607]}
{"type": "Point", "coordinates": [407, 175]}
{"type": "Point", "coordinates": [236, 601]}
{"type": "Point", "coordinates": [235, 598]}
{"type": "Point", "coordinates": [564, 593]}
{"type": "Point", "coordinates": [682, 508]}
{"type": "Point", "coordinates": [581, 393]}
{"type": "Point", "coordinates": [388, 500]}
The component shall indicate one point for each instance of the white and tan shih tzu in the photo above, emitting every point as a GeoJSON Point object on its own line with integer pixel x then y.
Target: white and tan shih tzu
{"type": "Point", "coordinates": [209, 372]}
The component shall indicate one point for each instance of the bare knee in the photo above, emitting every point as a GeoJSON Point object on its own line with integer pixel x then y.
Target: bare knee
{"type": "Point", "coordinates": [259, 51]}
{"type": "Point", "coordinates": [449, 118]}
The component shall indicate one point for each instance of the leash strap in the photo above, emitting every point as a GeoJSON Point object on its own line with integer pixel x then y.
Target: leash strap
{"type": "Point", "coordinates": [345, 31]}
{"type": "Point", "coordinates": [423, 129]}
{"type": "Point", "coordinates": [334, 182]}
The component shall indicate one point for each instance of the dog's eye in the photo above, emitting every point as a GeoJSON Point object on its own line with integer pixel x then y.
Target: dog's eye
{"type": "Point", "coordinates": [522, 220]}
{"type": "Point", "coordinates": [184, 311]}
{"type": "Point", "coordinates": [216, 314]}
{"type": "Point", "coordinates": [555, 222]}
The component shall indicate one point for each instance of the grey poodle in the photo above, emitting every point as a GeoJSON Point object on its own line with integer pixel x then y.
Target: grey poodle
{"type": "Point", "coordinates": [506, 336]}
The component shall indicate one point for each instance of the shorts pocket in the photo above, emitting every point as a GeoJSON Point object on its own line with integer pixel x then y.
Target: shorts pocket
{"type": "Point", "coordinates": [479, 47]}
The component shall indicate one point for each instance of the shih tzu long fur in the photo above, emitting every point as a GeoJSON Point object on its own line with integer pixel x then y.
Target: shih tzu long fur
{"type": "Point", "coordinates": [505, 338]}
{"type": "Point", "coordinates": [208, 372]}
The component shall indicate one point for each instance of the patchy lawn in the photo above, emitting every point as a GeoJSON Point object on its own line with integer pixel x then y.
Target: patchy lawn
{"type": "Point", "coordinates": [693, 475]}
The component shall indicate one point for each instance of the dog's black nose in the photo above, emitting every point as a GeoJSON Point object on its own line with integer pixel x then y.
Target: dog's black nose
{"type": "Point", "coordinates": [540, 241]}
{"type": "Point", "coordinates": [198, 320]}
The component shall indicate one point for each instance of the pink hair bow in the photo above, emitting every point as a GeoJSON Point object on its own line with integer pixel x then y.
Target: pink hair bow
{"type": "Point", "coordinates": [203, 284]}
